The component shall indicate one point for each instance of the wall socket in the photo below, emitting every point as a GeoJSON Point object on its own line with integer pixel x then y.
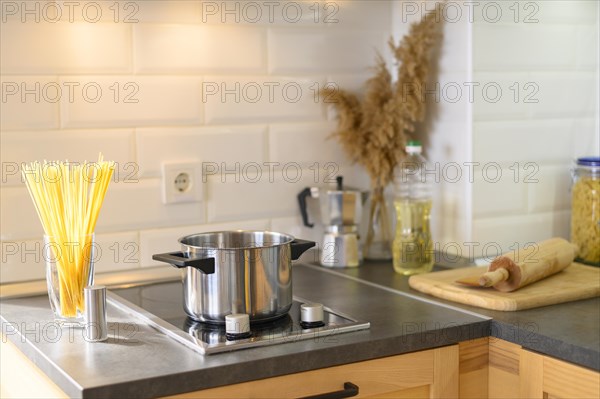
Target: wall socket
{"type": "Point", "coordinates": [182, 182]}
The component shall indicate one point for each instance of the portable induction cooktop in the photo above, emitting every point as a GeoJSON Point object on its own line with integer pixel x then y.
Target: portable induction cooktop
{"type": "Point", "coordinates": [161, 306]}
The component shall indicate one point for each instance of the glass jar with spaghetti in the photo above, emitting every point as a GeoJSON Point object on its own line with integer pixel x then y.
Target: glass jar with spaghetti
{"type": "Point", "coordinates": [69, 269]}
{"type": "Point", "coordinates": [585, 209]}
{"type": "Point", "coordinates": [67, 197]}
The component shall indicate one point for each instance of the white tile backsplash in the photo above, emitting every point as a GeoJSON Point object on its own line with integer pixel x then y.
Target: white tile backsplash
{"type": "Point", "coordinates": [210, 145]}
{"type": "Point", "coordinates": [354, 82]}
{"type": "Point", "coordinates": [529, 13]}
{"type": "Point", "coordinates": [503, 232]}
{"type": "Point", "coordinates": [574, 12]}
{"type": "Point", "coordinates": [587, 47]}
{"type": "Point", "coordinates": [173, 81]}
{"type": "Point", "coordinates": [19, 219]}
{"type": "Point", "coordinates": [304, 13]}
{"type": "Point", "coordinates": [255, 99]}
{"type": "Point", "coordinates": [557, 56]}
{"type": "Point", "coordinates": [267, 194]}
{"type": "Point", "coordinates": [195, 71]}
{"type": "Point", "coordinates": [550, 188]}
{"type": "Point", "coordinates": [29, 102]}
{"type": "Point", "coordinates": [502, 95]}
{"type": "Point", "coordinates": [166, 11]}
{"type": "Point", "coordinates": [74, 145]}
{"type": "Point", "coordinates": [118, 101]}
{"type": "Point", "coordinates": [199, 49]}
{"type": "Point", "coordinates": [318, 51]}
{"type": "Point", "coordinates": [569, 94]}
{"type": "Point", "coordinates": [21, 261]}
{"type": "Point", "coordinates": [138, 205]}
{"type": "Point", "coordinates": [306, 144]}
{"type": "Point", "coordinates": [524, 47]}
{"type": "Point", "coordinates": [586, 137]}
{"type": "Point", "coordinates": [63, 47]}
{"type": "Point", "coordinates": [507, 142]}
{"type": "Point", "coordinates": [498, 192]}
{"type": "Point", "coordinates": [350, 14]}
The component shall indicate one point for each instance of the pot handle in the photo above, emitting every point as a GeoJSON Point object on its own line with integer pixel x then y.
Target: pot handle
{"type": "Point", "coordinates": [299, 247]}
{"type": "Point", "coordinates": [181, 259]}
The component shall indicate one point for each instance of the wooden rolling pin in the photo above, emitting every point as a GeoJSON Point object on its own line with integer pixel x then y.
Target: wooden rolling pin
{"type": "Point", "coordinates": [514, 270]}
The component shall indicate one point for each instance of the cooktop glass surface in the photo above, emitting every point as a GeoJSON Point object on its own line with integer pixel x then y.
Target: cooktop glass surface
{"type": "Point", "coordinates": [161, 306]}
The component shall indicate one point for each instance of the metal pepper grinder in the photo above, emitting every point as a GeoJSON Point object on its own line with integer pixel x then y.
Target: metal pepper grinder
{"type": "Point", "coordinates": [340, 214]}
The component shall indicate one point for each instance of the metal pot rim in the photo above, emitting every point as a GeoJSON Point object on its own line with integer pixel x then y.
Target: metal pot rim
{"type": "Point", "coordinates": [286, 237]}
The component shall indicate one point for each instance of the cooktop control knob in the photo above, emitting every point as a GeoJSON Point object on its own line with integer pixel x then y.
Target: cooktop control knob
{"type": "Point", "coordinates": [237, 326]}
{"type": "Point", "coordinates": [311, 315]}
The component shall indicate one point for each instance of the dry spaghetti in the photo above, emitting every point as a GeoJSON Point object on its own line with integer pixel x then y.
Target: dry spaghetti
{"type": "Point", "coordinates": [68, 197]}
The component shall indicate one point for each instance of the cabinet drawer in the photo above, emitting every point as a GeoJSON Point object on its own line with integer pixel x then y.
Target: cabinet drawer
{"type": "Point", "coordinates": [431, 373]}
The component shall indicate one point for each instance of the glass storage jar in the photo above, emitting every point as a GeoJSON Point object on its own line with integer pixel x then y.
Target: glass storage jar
{"type": "Point", "coordinates": [585, 209]}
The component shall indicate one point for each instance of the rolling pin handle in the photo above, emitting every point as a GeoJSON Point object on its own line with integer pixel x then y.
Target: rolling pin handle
{"type": "Point", "coordinates": [490, 279]}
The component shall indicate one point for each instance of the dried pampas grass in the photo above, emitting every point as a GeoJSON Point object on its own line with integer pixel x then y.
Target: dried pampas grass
{"type": "Point", "coordinates": [374, 131]}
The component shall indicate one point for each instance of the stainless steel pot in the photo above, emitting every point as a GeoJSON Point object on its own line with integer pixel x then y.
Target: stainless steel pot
{"type": "Point", "coordinates": [236, 272]}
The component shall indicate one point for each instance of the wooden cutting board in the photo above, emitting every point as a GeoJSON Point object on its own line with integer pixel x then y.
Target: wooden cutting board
{"type": "Point", "coordinates": [575, 282]}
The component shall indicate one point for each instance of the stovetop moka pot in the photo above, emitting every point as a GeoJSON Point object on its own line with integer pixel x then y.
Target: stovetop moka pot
{"type": "Point", "coordinates": [340, 213]}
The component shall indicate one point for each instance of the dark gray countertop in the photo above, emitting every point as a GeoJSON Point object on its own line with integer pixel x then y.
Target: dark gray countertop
{"type": "Point", "coordinates": [569, 331]}
{"type": "Point", "coordinates": [137, 361]}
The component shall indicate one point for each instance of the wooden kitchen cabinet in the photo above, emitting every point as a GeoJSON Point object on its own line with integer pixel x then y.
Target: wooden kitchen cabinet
{"type": "Point", "coordinates": [426, 374]}
{"type": "Point", "coordinates": [545, 377]}
{"type": "Point", "coordinates": [515, 372]}
{"type": "Point", "coordinates": [475, 369]}
{"type": "Point", "coordinates": [493, 368]}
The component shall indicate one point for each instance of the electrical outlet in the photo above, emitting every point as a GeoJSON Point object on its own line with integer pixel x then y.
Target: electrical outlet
{"type": "Point", "coordinates": [182, 182]}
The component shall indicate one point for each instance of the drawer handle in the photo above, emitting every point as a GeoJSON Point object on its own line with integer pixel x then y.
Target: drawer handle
{"type": "Point", "coordinates": [349, 391]}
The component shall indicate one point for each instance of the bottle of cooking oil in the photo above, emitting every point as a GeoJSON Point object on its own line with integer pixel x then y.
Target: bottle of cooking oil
{"type": "Point", "coordinates": [412, 246]}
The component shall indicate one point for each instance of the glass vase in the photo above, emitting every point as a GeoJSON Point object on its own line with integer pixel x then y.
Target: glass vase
{"type": "Point", "coordinates": [69, 269]}
{"type": "Point", "coordinates": [378, 245]}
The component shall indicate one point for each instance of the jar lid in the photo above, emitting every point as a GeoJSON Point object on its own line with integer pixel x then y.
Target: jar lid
{"type": "Point", "coordinates": [589, 161]}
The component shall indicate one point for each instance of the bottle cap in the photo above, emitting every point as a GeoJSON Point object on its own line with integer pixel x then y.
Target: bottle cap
{"type": "Point", "coordinates": [96, 326]}
{"type": "Point", "coordinates": [414, 146]}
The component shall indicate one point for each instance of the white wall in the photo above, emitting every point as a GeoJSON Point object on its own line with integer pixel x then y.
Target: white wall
{"type": "Point", "coordinates": [166, 57]}
{"type": "Point", "coordinates": [447, 131]}
{"type": "Point", "coordinates": [551, 52]}
{"type": "Point", "coordinates": [177, 47]}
